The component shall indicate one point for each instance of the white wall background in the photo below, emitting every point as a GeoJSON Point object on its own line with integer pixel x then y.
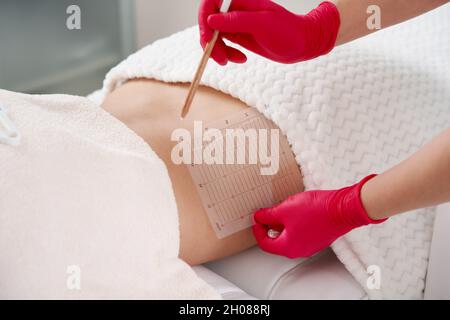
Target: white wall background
{"type": "Point", "coordinates": [159, 18]}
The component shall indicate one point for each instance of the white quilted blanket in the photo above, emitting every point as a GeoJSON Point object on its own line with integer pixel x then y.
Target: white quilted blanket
{"type": "Point", "coordinates": [361, 109]}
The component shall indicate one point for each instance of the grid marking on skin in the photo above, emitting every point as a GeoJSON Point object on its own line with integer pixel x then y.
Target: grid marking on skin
{"type": "Point", "coordinates": [231, 193]}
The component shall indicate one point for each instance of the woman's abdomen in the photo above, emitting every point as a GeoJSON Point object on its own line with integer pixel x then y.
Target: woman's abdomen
{"type": "Point", "coordinates": [152, 109]}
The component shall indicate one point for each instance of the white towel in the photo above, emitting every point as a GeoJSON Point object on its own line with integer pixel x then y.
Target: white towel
{"type": "Point", "coordinates": [361, 109]}
{"type": "Point", "coordinates": [86, 208]}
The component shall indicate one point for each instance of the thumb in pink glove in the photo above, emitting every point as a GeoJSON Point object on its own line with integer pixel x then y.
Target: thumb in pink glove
{"type": "Point", "coordinates": [311, 221]}
{"type": "Point", "coordinates": [269, 30]}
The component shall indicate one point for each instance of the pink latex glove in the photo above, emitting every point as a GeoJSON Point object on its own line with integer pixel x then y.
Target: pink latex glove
{"type": "Point", "coordinates": [269, 30]}
{"type": "Point", "coordinates": [311, 221]}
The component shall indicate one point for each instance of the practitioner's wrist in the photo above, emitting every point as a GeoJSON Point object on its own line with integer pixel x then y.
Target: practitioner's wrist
{"type": "Point", "coordinates": [350, 209]}
{"type": "Point", "coordinates": [326, 19]}
{"type": "Point", "coordinates": [372, 203]}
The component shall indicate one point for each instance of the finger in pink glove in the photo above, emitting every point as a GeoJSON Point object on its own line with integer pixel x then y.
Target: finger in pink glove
{"type": "Point", "coordinates": [221, 52]}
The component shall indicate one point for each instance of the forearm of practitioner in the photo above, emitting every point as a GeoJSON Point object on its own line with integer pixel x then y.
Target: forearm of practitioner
{"type": "Point", "coordinates": [270, 30]}
{"type": "Point", "coordinates": [354, 15]}
{"type": "Point", "coordinates": [421, 181]}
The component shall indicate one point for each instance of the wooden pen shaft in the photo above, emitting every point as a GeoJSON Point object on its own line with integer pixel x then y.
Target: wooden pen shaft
{"type": "Point", "coordinates": [198, 75]}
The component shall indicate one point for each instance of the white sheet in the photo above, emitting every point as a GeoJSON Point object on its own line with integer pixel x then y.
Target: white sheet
{"type": "Point", "coordinates": [87, 209]}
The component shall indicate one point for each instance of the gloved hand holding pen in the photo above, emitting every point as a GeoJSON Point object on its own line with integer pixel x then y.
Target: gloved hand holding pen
{"type": "Point", "coordinates": [268, 29]}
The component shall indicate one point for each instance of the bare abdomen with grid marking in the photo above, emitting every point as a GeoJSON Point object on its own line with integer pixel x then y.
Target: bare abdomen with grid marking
{"type": "Point", "coordinates": [152, 110]}
{"type": "Point", "coordinates": [232, 192]}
